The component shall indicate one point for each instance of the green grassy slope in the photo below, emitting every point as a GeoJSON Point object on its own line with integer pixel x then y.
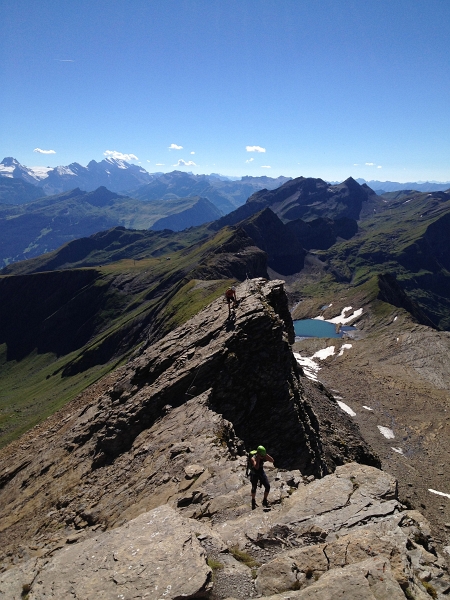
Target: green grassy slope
{"type": "Point", "coordinates": [61, 330]}
{"type": "Point", "coordinates": [41, 226]}
{"type": "Point", "coordinates": [409, 240]}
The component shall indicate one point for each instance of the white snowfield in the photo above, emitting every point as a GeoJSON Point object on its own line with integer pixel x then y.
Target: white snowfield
{"type": "Point", "coordinates": [310, 365]}
{"type": "Point", "coordinates": [346, 408]}
{"type": "Point", "coordinates": [388, 433]}
{"type": "Point", "coordinates": [344, 347]}
{"type": "Point", "coordinates": [40, 172]}
{"type": "Point", "coordinates": [343, 320]}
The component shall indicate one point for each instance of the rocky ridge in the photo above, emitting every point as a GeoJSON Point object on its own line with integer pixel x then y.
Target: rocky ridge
{"type": "Point", "coordinates": [138, 487]}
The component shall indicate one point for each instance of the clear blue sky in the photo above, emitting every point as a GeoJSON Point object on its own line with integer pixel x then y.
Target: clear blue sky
{"type": "Point", "coordinates": [324, 86]}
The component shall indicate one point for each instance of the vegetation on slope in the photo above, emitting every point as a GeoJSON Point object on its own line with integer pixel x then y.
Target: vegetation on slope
{"type": "Point", "coordinates": [60, 330]}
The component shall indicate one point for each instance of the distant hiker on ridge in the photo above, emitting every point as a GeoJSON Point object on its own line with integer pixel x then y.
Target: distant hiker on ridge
{"type": "Point", "coordinates": [257, 474]}
{"type": "Point", "coordinates": [230, 295]}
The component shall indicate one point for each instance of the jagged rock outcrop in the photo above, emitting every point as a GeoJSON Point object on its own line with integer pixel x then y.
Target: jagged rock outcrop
{"type": "Point", "coordinates": [238, 378]}
{"type": "Point", "coordinates": [168, 431]}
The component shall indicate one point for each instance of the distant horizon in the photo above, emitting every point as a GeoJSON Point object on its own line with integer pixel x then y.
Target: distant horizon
{"type": "Point", "coordinates": [271, 175]}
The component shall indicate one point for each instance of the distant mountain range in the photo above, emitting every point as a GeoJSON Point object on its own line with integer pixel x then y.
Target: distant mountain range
{"type": "Point", "coordinates": [28, 230]}
{"type": "Point", "coordinates": [116, 175]}
{"type": "Point", "coordinates": [225, 194]}
{"type": "Point", "coordinates": [381, 187]}
{"type": "Point", "coordinates": [308, 198]}
{"type": "Point", "coordinates": [124, 178]}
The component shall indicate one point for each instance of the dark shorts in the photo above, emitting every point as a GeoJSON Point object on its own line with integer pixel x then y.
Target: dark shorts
{"type": "Point", "coordinates": [262, 477]}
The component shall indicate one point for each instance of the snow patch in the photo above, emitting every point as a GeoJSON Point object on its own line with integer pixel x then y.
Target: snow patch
{"type": "Point", "coordinates": [388, 433]}
{"type": "Point", "coordinates": [64, 171]}
{"type": "Point", "coordinates": [395, 318]}
{"type": "Point", "coordinates": [346, 408]}
{"type": "Point", "coordinates": [368, 408]}
{"type": "Point", "coordinates": [439, 493]}
{"type": "Point", "coordinates": [319, 318]}
{"type": "Point", "coordinates": [342, 319]}
{"type": "Point", "coordinates": [323, 354]}
{"type": "Point", "coordinates": [344, 347]}
{"type": "Point", "coordinates": [40, 172]}
{"type": "Point", "coordinates": [398, 450]}
{"type": "Point", "coordinates": [309, 365]}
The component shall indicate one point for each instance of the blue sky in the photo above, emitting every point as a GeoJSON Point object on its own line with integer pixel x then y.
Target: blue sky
{"type": "Point", "coordinates": [327, 88]}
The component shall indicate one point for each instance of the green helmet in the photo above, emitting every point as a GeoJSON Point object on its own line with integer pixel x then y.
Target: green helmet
{"type": "Point", "coordinates": [261, 450]}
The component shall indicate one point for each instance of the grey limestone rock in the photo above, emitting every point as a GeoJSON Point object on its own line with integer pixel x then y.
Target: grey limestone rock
{"type": "Point", "coordinates": [154, 556]}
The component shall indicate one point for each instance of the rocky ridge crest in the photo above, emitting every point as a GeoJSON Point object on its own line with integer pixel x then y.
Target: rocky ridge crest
{"type": "Point", "coordinates": [138, 487]}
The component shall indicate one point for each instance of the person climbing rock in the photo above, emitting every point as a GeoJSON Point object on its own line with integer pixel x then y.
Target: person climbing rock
{"type": "Point", "coordinates": [230, 296]}
{"type": "Point", "coordinates": [257, 474]}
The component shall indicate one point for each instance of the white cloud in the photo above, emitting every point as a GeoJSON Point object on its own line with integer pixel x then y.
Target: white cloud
{"type": "Point", "coordinates": [356, 164]}
{"type": "Point", "coordinates": [255, 149]}
{"type": "Point", "coordinates": [175, 147]}
{"type": "Point", "coordinates": [44, 151]}
{"type": "Point", "coordinates": [64, 59]}
{"type": "Point", "coordinates": [250, 160]}
{"type": "Point", "coordinates": [119, 155]}
{"type": "Point", "coordinates": [192, 152]}
{"type": "Point", "coordinates": [159, 165]}
{"type": "Point", "coordinates": [370, 164]}
{"type": "Point", "coordinates": [379, 167]}
{"type": "Point", "coordinates": [266, 167]}
{"type": "Point", "coordinates": [184, 163]}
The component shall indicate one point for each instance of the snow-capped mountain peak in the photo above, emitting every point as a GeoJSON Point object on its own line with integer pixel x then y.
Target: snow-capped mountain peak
{"type": "Point", "coordinates": [115, 174]}
{"type": "Point", "coordinates": [121, 164]}
{"type": "Point", "coordinates": [11, 167]}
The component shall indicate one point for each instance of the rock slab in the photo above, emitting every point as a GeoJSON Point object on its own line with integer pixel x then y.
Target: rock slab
{"type": "Point", "coordinates": [154, 556]}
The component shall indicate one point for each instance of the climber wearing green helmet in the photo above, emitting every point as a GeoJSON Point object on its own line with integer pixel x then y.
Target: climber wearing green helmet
{"type": "Point", "coordinates": [257, 474]}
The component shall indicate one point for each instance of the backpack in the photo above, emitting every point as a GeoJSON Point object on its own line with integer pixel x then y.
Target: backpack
{"type": "Point", "coordinates": [249, 468]}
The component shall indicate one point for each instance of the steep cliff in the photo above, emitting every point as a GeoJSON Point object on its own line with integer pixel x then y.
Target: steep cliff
{"type": "Point", "coordinates": [148, 466]}
{"type": "Point", "coordinates": [242, 367]}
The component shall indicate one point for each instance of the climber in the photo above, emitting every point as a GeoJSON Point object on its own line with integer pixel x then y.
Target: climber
{"type": "Point", "coordinates": [257, 474]}
{"type": "Point", "coordinates": [230, 296]}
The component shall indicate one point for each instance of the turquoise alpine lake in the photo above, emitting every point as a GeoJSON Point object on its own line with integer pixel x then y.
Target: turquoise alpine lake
{"type": "Point", "coordinates": [306, 328]}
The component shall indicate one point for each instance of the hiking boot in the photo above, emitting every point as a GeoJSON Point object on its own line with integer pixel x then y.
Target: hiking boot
{"type": "Point", "coordinates": [254, 505]}
{"type": "Point", "coordinates": [266, 503]}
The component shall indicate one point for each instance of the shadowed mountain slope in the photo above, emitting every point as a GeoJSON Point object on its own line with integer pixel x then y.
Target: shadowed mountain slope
{"type": "Point", "coordinates": [41, 226]}
{"type": "Point", "coordinates": [224, 194]}
{"type": "Point", "coordinates": [408, 239]}
{"type": "Point", "coordinates": [307, 199]}
{"type": "Point", "coordinates": [17, 191]}
{"type": "Point", "coordinates": [201, 212]}
{"type": "Point", "coordinates": [61, 328]}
